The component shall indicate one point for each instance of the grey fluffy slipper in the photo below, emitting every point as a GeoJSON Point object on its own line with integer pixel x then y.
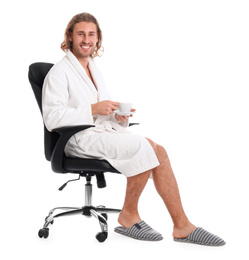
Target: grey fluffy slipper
{"type": "Point", "coordinates": [140, 231]}
{"type": "Point", "coordinates": [202, 237]}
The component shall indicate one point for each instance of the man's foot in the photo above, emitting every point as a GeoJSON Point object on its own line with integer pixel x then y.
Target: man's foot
{"type": "Point", "coordinates": [183, 230]}
{"type": "Point", "coordinates": [202, 237]}
{"type": "Point", "coordinates": [140, 231]}
{"type": "Point", "coordinates": [128, 220]}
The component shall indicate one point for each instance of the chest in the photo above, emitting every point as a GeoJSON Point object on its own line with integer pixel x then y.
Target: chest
{"type": "Point", "coordinates": [88, 72]}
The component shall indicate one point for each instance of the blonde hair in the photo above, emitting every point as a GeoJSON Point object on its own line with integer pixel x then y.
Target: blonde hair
{"type": "Point", "coordinates": [82, 17]}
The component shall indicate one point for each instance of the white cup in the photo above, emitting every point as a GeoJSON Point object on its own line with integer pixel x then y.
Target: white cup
{"type": "Point", "coordinates": [125, 107]}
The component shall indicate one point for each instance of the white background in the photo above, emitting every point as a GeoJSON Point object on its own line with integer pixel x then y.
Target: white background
{"type": "Point", "coordinates": [184, 66]}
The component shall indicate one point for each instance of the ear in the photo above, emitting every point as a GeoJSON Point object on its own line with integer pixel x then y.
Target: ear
{"type": "Point", "coordinates": [70, 37]}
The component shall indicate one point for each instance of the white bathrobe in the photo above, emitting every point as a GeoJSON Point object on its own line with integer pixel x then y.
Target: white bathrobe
{"type": "Point", "coordinates": [67, 96]}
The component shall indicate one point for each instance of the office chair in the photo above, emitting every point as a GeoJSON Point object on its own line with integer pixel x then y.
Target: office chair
{"type": "Point", "coordinates": [54, 143]}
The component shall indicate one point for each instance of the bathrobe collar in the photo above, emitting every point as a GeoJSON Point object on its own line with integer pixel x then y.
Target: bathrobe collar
{"type": "Point", "coordinates": [70, 57]}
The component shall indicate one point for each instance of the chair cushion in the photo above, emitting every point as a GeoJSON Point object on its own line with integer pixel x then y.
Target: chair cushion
{"type": "Point", "coordinates": [91, 165]}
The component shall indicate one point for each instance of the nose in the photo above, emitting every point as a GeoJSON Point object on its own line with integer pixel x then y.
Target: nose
{"type": "Point", "coordinates": [85, 39]}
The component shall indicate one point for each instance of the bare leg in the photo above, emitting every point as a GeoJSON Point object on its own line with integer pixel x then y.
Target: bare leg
{"type": "Point", "coordinates": [135, 185]}
{"type": "Point", "coordinates": [166, 187]}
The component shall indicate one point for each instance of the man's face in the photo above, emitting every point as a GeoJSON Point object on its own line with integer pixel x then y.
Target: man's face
{"type": "Point", "coordinates": [84, 38]}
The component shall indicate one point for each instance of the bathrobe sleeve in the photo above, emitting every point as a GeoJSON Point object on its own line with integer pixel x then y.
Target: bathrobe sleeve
{"type": "Point", "coordinates": [57, 112]}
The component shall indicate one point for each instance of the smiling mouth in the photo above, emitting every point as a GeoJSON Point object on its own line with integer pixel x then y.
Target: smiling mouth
{"type": "Point", "coordinates": [85, 47]}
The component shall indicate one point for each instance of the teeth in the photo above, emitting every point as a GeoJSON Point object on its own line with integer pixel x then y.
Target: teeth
{"type": "Point", "coordinates": [85, 47]}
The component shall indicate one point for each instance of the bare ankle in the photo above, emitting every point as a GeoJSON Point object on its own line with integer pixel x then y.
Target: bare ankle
{"type": "Point", "coordinates": [127, 219]}
{"type": "Point", "coordinates": [183, 230]}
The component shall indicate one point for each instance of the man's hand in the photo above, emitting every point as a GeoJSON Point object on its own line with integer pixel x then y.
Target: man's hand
{"type": "Point", "coordinates": [124, 118]}
{"type": "Point", "coordinates": [104, 108]}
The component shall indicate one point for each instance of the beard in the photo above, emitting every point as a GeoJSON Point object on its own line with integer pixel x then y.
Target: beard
{"type": "Point", "coordinates": [81, 52]}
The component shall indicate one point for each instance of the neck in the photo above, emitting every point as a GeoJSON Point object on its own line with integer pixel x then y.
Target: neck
{"type": "Point", "coordinates": [84, 61]}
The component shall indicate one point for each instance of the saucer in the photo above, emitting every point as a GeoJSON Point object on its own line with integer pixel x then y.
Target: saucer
{"type": "Point", "coordinates": [124, 113]}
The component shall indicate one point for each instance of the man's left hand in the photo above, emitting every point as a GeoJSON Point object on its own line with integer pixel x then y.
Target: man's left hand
{"type": "Point", "coordinates": [124, 118]}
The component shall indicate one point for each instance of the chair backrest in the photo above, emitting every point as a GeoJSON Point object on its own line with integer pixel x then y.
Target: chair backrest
{"type": "Point", "coordinates": [37, 74]}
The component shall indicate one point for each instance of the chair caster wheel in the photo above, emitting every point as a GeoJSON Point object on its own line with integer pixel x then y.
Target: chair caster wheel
{"type": "Point", "coordinates": [101, 236]}
{"type": "Point", "coordinates": [44, 232]}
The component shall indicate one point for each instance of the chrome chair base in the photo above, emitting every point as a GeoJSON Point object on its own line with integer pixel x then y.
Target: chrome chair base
{"type": "Point", "coordinates": [100, 213]}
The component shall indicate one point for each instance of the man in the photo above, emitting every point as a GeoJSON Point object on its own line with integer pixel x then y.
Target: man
{"type": "Point", "coordinates": [74, 93]}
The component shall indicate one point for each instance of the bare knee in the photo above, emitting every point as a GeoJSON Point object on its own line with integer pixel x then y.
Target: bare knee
{"type": "Point", "coordinates": [159, 150]}
{"type": "Point", "coordinates": [162, 151]}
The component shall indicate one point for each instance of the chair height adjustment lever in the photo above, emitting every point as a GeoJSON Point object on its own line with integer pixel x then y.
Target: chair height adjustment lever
{"type": "Point", "coordinates": [65, 184]}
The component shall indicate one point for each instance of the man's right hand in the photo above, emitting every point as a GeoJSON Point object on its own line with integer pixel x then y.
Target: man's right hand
{"type": "Point", "coordinates": [104, 108]}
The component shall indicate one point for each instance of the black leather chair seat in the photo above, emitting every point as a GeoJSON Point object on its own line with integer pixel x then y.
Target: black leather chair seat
{"type": "Point", "coordinates": [76, 165]}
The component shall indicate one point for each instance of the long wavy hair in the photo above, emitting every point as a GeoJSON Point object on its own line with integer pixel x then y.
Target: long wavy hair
{"type": "Point", "coordinates": [82, 17]}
